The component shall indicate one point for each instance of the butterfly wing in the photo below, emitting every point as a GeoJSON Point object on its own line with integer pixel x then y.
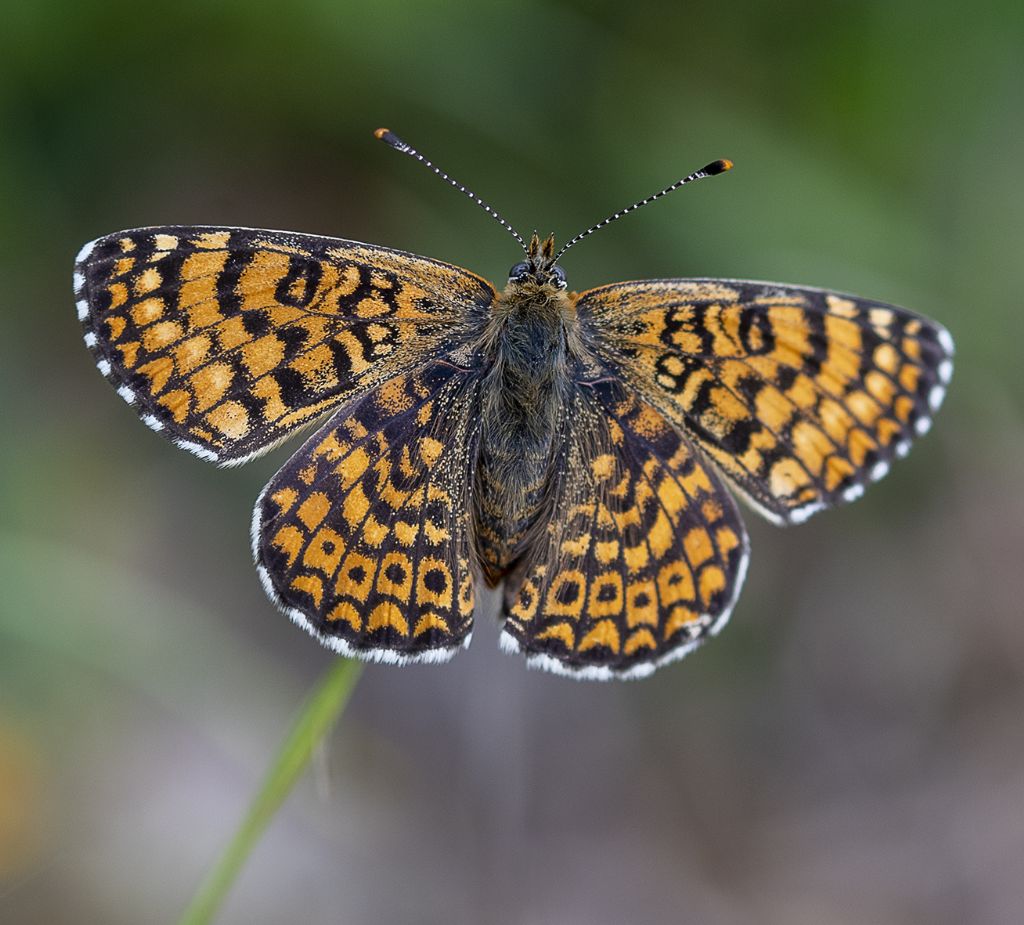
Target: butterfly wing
{"type": "Point", "coordinates": [228, 339]}
{"type": "Point", "coordinates": [800, 396]}
{"type": "Point", "coordinates": [362, 536]}
{"type": "Point", "coordinates": [645, 552]}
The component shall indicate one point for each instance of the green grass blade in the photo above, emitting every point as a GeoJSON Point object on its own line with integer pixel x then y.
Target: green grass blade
{"type": "Point", "coordinates": [321, 710]}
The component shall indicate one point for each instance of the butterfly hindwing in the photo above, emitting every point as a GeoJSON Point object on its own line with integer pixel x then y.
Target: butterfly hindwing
{"type": "Point", "coordinates": [800, 396]}
{"type": "Point", "coordinates": [228, 339]}
{"type": "Point", "coordinates": [645, 552]}
{"type": "Point", "coordinates": [362, 536]}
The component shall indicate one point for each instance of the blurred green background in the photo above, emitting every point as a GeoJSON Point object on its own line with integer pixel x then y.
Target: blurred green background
{"type": "Point", "coordinates": [850, 750]}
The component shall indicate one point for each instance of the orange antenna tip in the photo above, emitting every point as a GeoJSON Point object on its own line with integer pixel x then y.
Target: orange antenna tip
{"type": "Point", "coordinates": [718, 167]}
{"type": "Point", "coordinates": [381, 132]}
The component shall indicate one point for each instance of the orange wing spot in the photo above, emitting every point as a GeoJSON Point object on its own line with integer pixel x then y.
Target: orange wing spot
{"type": "Point", "coordinates": [374, 532]}
{"type": "Point", "coordinates": [355, 577]}
{"type": "Point", "coordinates": [661, 536]}
{"type": "Point", "coordinates": [603, 466]}
{"type": "Point", "coordinates": [435, 534]}
{"type": "Point", "coordinates": [158, 371]}
{"type": "Point", "coordinates": [122, 266]}
{"type": "Point", "coordinates": [886, 358]}
{"type": "Point", "coordinates": [430, 621]}
{"type": "Point", "coordinates": [210, 383]}
{"type": "Point", "coordinates": [128, 245]}
{"type": "Point", "coordinates": [642, 603]}
{"type": "Point", "coordinates": [880, 386]}
{"type": "Point", "coordinates": [864, 409]}
{"type": "Point", "coordinates": [712, 510]}
{"type": "Point", "coordinates": [837, 470]}
{"type": "Point", "coordinates": [679, 618]}
{"type": "Point", "coordinates": [190, 353]}
{"type": "Point", "coordinates": [787, 478]}
{"type": "Point", "coordinates": [324, 551]}
{"type": "Point", "coordinates": [606, 552]}
{"type": "Point", "coordinates": [147, 311]}
{"type": "Point", "coordinates": [567, 594]}
{"type": "Point", "coordinates": [118, 295]}
{"type": "Point", "coordinates": [726, 539]}
{"type": "Point", "coordinates": [844, 308]}
{"type": "Point", "coordinates": [643, 638]}
{"type": "Point", "coordinates": [161, 334]}
{"type": "Point", "coordinates": [314, 509]}
{"type": "Point", "coordinates": [231, 419]}
{"type": "Point", "coordinates": [434, 584]}
{"type": "Point", "coordinates": [406, 533]}
{"type": "Point", "coordinates": [115, 326]}
{"type": "Point", "coordinates": [881, 317]}
{"type": "Point", "coordinates": [262, 355]}
{"type": "Point", "coordinates": [636, 557]}
{"type": "Point", "coordinates": [909, 377]}
{"type": "Point", "coordinates": [911, 348]}
{"type": "Point", "coordinates": [148, 280]}
{"type": "Point", "coordinates": [371, 307]}
{"type": "Point", "coordinates": [811, 445]}
{"type": "Point", "coordinates": [344, 610]}
{"type": "Point", "coordinates": [285, 499]}
{"type": "Point", "coordinates": [232, 333]}
{"type": "Point", "coordinates": [802, 391]}
{"type": "Point", "coordinates": [212, 239]}
{"type": "Point", "coordinates": [887, 429]}
{"type": "Point", "coordinates": [273, 407]}
{"type": "Point", "coordinates": [605, 634]}
{"type": "Point", "coordinates": [395, 576]}
{"type": "Point", "coordinates": [671, 496]}
{"type": "Point", "coordinates": [562, 632]}
{"type": "Point", "coordinates": [162, 242]}
{"type": "Point", "coordinates": [178, 403]}
{"type": "Point", "coordinates": [904, 407]}
{"type": "Point", "coordinates": [385, 614]}
{"type": "Point", "coordinates": [289, 540]}
{"type": "Point", "coordinates": [711, 581]}
{"type": "Point", "coordinates": [356, 506]}
{"type": "Point", "coordinates": [835, 419]}
{"type": "Point", "coordinates": [430, 450]}
{"type": "Point", "coordinates": [129, 353]}
{"type": "Point", "coordinates": [675, 582]}
{"type": "Point", "coordinates": [772, 409]}
{"type": "Point", "coordinates": [697, 544]}
{"type": "Point", "coordinates": [576, 546]}
{"type": "Point", "coordinates": [859, 444]}
{"type": "Point", "coordinates": [307, 474]}
{"type": "Point", "coordinates": [352, 466]}
{"type": "Point", "coordinates": [202, 265]}
{"type": "Point", "coordinates": [606, 595]}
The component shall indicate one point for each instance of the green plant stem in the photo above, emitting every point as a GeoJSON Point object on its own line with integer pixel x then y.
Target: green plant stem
{"type": "Point", "coordinates": [319, 713]}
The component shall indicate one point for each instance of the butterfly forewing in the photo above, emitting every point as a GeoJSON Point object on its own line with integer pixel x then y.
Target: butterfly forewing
{"type": "Point", "coordinates": [800, 396]}
{"type": "Point", "coordinates": [228, 339]}
{"type": "Point", "coordinates": [644, 554]}
{"type": "Point", "coordinates": [362, 537]}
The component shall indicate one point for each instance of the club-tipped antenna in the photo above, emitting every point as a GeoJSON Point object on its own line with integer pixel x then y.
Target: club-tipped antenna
{"type": "Point", "coordinates": [715, 167]}
{"type": "Point", "coordinates": [390, 138]}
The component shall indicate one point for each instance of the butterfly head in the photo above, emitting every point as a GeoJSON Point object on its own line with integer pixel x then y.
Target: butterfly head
{"type": "Point", "coordinates": [539, 270]}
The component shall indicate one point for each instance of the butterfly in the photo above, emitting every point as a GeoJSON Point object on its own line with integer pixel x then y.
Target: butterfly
{"type": "Point", "coordinates": [579, 448]}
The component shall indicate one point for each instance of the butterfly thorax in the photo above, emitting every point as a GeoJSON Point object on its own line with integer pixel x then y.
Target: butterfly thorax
{"type": "Point", "coordinates": [527, 344]}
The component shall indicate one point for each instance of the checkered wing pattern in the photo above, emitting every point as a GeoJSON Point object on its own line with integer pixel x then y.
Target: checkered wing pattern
{"type": "Point", "coordinates": [800, 396]}
{"type": "Point", "coordinates": [645, 552]}
{"type": "Point", "coordinates": [362, 537]}
{"type": "Point", "coordinates": [228, 339]}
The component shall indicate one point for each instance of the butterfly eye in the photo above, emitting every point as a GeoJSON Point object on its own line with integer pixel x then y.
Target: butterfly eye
{"type": "Point", "coordinates": [558, 277]}
{"type": "Point", "coordinates": [519, 271]}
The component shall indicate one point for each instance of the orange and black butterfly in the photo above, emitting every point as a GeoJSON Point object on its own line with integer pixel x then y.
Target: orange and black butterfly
{"type": "Point", "coordinates": [578, 447]}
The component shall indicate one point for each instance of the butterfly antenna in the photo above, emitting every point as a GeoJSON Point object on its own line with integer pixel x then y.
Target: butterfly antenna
{"type": "Point", "coordinates": [389, 137]}
{"type": "Point", "coordinates": [715, 167]}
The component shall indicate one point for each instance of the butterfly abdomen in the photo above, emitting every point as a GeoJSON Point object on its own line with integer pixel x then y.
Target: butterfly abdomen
{"type": "Point", "coordinates": [522, 408]}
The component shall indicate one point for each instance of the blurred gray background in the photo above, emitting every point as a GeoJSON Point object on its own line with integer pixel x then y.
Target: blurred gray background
{"type": "Point", "coordinates": [850, 750]}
